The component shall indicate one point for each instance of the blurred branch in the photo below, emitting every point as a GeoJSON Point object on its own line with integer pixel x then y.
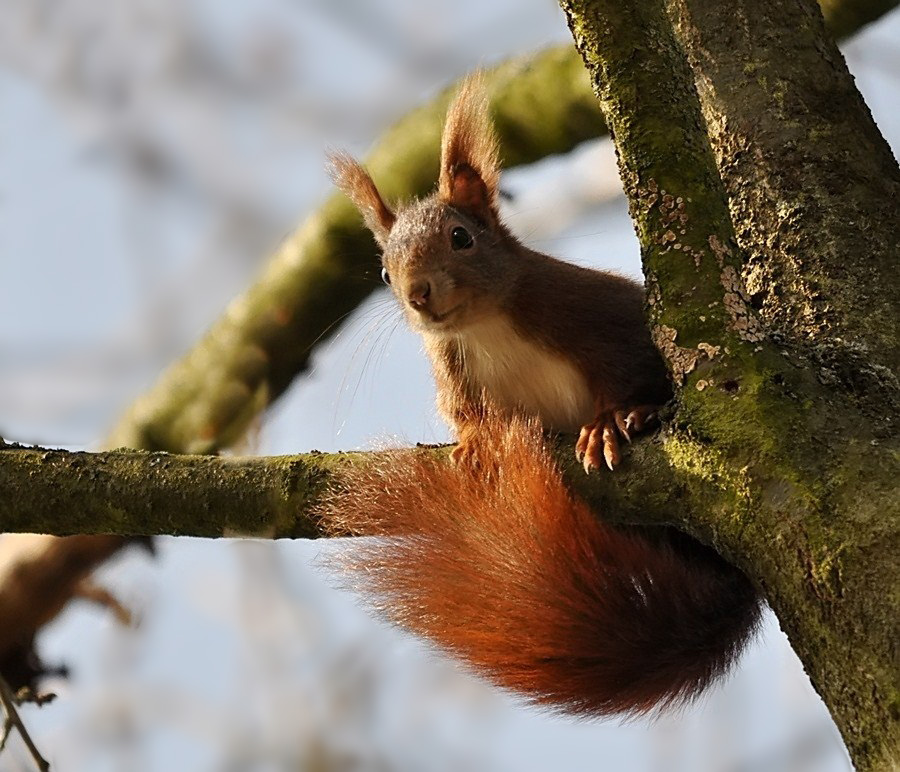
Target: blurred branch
{"type": "Point", "coordinates": [8, 700]}
{"type": "Point", "coordinates": [91, 591]}
{"type": "Point", "coordinates": [845, 17]}
{"type": "Point", "coordinates": [328, 266]}
{"type": "Point", "coordinates": [39, 576]}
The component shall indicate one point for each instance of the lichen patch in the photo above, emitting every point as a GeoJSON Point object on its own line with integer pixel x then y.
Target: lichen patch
{"type": "Point", "coordinates": [743, 320]}
{"type": "Point", "coordinates": [708, 349]}
{"type": "Point", "coordinates": [719, 250]}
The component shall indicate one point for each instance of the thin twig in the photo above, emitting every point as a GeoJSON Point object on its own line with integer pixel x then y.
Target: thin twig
{"type": "Point", "coordinates": [13, 719]}
{"type": "Point", "coordinates": [7, 729]}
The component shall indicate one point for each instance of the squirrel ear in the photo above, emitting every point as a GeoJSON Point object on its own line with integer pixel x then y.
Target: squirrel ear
{"type": "Point", "coordinates": [350, 176]}
{"type": "Point", "coordinates": [470, 165]}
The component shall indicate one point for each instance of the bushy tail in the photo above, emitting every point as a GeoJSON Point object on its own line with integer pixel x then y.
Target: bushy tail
{"type": "Point", "coordinates": [506, 569]}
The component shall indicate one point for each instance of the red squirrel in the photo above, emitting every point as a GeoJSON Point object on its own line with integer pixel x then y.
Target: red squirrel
{"type": "Point", "coordinates": [492, 557]}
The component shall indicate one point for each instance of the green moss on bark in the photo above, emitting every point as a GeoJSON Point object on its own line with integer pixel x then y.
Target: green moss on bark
{"type": "Point", "coordinates": [812, 184]}
{"type": "Point", "coordinates": [779, 467]}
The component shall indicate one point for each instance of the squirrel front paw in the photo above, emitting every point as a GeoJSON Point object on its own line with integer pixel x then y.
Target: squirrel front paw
{"type": "Point", "coordinates": [598, 442]}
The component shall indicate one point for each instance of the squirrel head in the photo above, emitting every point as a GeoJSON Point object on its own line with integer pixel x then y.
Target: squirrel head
{"type": "Point", "coordinates": [448, 258]}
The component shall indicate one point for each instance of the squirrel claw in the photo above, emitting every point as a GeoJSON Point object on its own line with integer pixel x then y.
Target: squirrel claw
{"type": "Point", "coordinates": [581, 446]}
{"type": "Point", "coordinates": [639, 418]}
{"type": "Point", "coordinates": [622, 424]}
{"type": "Point", "coordinates": [598, 443]}
{"type": "Point", "coordinates": [610, 446]}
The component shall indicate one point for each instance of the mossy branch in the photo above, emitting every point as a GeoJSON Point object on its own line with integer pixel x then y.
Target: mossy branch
{"type": "Point", "coordinates": [676, 198]}
{"type": "Point", "coordinates": [810, 180]}
{"type": "Point", "coordinates": [143, 493]}
{"type": "Point", "coordinates": [753, 419]}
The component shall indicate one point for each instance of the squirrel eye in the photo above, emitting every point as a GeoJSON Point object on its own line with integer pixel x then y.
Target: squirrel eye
{"type": "Point", "coordinates": [460, 238]}
{"type": "Point", "coordinates": [385, 276]}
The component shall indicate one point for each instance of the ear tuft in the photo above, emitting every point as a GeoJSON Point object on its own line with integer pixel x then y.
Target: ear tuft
{"type": "Point", "coordinates": [350, 176]}
{"type": "Point", "coordinates": [470, 163]}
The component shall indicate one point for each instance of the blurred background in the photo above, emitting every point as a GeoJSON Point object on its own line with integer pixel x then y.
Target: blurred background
{"type": "Point", "coordinates": [152, 154]}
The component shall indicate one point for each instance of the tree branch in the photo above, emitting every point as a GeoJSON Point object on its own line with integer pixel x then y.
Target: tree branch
{"type": "Point", "coordinates": [810, 179]}
{"type": "Point", "coordinates": [786, 473]}
{"type": "Point", "coordinates": [845, 17]}
{"type": "Point", "coordinates": [12, 719]}
{"type": "Point", "coordinates": [140, 493]}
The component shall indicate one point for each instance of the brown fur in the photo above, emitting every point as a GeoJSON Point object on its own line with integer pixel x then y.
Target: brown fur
{"type": "Point", "coordinates": [524, 583]}
{"type": "Point", "coordinates": [495, 560]}
{"type": "Point", "coordinates": [470, 156]}
{"type": "Point", "coordinates": [349, 175]}
{"type": "Point", "coordinates": [592, 318]}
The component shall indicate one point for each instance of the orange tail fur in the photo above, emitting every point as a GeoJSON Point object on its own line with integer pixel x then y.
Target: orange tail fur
{"type": "Point", "coordinates": [506, 569]}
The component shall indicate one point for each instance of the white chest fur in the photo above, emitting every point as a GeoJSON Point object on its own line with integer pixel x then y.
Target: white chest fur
{"type": "Point", "coordinates": [518, 373]}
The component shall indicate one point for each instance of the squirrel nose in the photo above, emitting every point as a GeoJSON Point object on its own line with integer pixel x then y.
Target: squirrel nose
{"type": "Point", "coordinates": [419, 294]}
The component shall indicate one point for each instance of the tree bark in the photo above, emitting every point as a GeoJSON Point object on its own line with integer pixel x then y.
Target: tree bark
{"type": "Point", "coordinates": [812, 185]}
{"type": "Point", "coordinates": [142, 493]}
{"type": "Point", "coordinates": [786, 474]}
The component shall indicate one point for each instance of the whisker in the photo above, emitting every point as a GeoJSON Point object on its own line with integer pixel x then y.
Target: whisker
{"type": "Point", "coordinates": [374, 307]}
{"type": "Point", "coordinates": [550, 239]}
{"type": "Point", "coordinates": [330, 327]}
{"type": "Point", "coordinates": [371, 334]}
{"type": "Point", "coordinates": [376, 352]}
{"type": "Point", "coordinates": [386, 344]}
